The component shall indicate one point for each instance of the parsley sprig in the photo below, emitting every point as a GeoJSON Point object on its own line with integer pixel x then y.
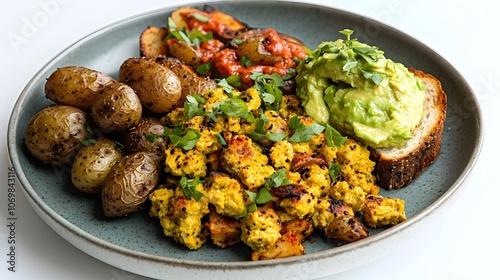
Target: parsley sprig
{"type": "Point", "coordinates": [189, 187]}
{"type": "Point", "coordinates": [276, 180]}
{"type": "Point", "coordinates": [193, 37]}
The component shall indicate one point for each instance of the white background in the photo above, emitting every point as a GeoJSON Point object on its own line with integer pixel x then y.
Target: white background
{"type": "Point", "coordinates": [462, 244]}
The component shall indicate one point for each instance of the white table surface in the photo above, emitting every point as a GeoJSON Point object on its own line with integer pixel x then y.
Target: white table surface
{"type": "Point", "coordinates": [463, 244]}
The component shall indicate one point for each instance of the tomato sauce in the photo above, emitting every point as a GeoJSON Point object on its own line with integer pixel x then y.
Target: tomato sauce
{"type": "Point", "coordinates": [225, 61]}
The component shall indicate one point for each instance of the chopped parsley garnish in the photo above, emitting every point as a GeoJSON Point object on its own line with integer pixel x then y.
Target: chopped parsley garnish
{"type": "Point", "coordinates": [333, 137]}
{"type": "Point", "coordinates": [198, 17]}
{"type": "Point", "coordinates": [233, 107]}
{"type": "Point", "coordinates": [301, 132]}
{"type": "Point", "coordinates": [269, 88]}
{"type": "Point", "coordinates": [189, 187]}
{"type": "Point", "coordinates": [245, 61]}
{"type": "Point", "coordinates": [119, 146]}
{"type": "Point", "coordinates": [88, 142]}
{"type": "Point", "coordinates": [193, 106]}
{"type": "Point", "coordinates": [192, 37]}
{"type": "Point", "coordinates": [180, 138]}
{"type": "Point", "coordinates": [204, 68]}
{"type": "Point", "coordinates": [276, 180]}
{"type": "Point", "coordinates": [221, 139]}
{"type": "Point", "coordinates": [334, 170]}
{"type": "Point", "coordinates": [237, 41]}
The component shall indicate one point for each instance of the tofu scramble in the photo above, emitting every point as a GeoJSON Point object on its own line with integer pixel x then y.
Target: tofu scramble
{"type": "Point", "coordinates": [243, 169]}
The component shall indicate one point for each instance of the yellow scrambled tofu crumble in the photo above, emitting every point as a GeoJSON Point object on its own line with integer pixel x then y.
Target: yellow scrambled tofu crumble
{"type": "Point", "coordinates": [264, 177]}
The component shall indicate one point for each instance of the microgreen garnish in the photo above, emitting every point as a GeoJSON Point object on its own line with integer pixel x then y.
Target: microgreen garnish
{"type": "Point", "coordinates": [119, 146]}
{"type": "Point", "coordinates": [189, 187]}
{"type": "Point", "coordinates": [91, 140]}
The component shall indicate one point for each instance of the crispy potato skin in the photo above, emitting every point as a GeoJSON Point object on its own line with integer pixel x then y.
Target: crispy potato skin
{"type": "Point", "coordinates": [151, 42]}
{"type": "Point", "coordinates": [92, 165]}
{"type": "Point", "coordinates": [128, 184]}
{"type": "Point", "coordinates": [116, 108]}
{"type": "Point", "coordinates": [75, 86]}
{"type": "Point", "coordinates": [185, 52]}
{"type": "Point", "coordinates": [158, 88]}
{"type": "Point", "coordinates": [146, 136]}
{"type": "Point", "coordinates": [56, 133]}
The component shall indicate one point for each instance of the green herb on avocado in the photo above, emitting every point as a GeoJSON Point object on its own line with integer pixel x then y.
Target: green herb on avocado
{"type": "Point", "coordinates": [355, 89]}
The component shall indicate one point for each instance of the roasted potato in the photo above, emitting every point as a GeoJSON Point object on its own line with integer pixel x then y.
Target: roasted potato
{"type": "Point", "coordinates": [92, 165]}
{"type": "Point", "coordinates": [152, 42]}
{"type": "Point", "coordinates": [191, 81]}
{"type": "Point", "coordinates": [253, 47]}
{"type": "Point", "coordinates": [147, 136]}
{"type": "Point", "coordinates": [56, 133]}
{"type": "Point", "coordinates": [227, 25]}
{"type": "Point", "coordinates": [128, 184]}
{"type": "Point", "coordinates": [75, 86]}
{"type": "Point", "coordinates": [116, 108]}
{"type": "Point", "coordinates": [185, 52]}
{"type": "Point", "coordinates": [158, 88]}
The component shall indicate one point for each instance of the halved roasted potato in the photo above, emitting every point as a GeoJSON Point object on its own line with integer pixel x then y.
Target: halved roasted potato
{"type": "Point", "coordinates": [185, 52]}
{"type": "Point", "coordinates": [151, 42]}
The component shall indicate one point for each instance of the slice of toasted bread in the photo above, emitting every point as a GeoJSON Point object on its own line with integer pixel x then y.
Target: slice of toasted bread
{"type": "Point", "coordinates": [398, 167]}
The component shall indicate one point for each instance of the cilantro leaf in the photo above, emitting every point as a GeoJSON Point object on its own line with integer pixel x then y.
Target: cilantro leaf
{"type": "Point", "coordinates": [194, 106]}
{"type": "Point", "coordinates": [303, 133]}
{"type": "Point", "coordinates": [185, 141]}
{"type": "Point", "coordinates": [204, 68]}
{"type": "Point", "coordinates": [333, 137]}
{"type": "Point", "coordinates": [189, 187]}
{"type": "Point", "coordinates": [277, 179]}
{"type": "Point", "coordinates": [334, 170]}
{"type": "Point", "coordinates": [245, 61]}
{"type": "Point", "coordinates": [233, 107]}
{"type": "Point", "coordinates": [263, 196]}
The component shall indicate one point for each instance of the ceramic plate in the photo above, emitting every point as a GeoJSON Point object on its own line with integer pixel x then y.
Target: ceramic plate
{"type": "Point", "coordinates": [136, 243]}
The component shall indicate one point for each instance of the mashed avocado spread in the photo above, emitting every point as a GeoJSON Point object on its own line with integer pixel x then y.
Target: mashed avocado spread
{"type": "Point", "coordinates": [353, 87]}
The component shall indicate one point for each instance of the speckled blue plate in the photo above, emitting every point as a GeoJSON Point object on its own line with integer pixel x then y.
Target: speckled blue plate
{"type": "Point", "coordinates": [136, 243]}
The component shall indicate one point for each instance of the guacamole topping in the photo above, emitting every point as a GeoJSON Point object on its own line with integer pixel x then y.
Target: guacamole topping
{"type": "Point", "coordinates": [356, 89]}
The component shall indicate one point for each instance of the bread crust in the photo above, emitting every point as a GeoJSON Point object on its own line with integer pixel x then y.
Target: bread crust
{"type": "Point", "coordinates": [397, 171]}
